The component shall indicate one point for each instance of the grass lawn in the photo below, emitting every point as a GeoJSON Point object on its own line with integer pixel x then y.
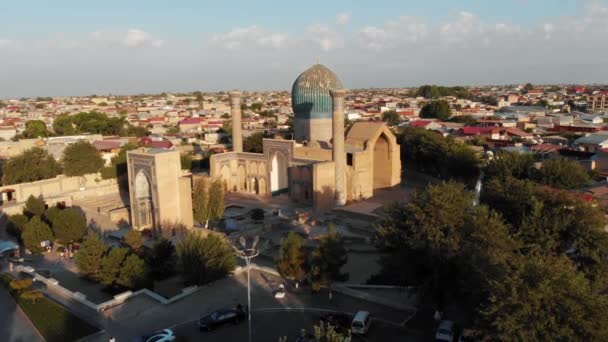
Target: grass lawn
{"type": "Point", "coordinates": [52, 320]}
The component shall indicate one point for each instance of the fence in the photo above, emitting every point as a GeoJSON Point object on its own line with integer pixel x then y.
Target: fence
{"type": "Point", "coordinates": [119, 299]}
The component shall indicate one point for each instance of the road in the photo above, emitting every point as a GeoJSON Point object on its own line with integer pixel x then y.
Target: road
{"type": "Point", "coordinates": [270, 324]}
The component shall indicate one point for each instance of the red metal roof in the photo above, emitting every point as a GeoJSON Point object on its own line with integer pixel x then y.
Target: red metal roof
{"type": "Point", "coordinates": [420, 123]}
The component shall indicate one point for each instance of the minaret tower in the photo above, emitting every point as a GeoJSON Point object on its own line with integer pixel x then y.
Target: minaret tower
{"type": "Point", "coordinates": [235, 112]}
{"type": "Point", "coordinates": [339, 153]}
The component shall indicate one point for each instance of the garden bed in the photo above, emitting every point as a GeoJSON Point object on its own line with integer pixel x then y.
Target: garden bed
{"type": "Point", "coordinates": [53, 321]}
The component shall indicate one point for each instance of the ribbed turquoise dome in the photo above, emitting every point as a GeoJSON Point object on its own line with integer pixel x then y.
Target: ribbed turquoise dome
{"type": "Point", "coordinates": [310, 98]}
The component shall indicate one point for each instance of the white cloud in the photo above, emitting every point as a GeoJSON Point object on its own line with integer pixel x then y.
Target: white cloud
{"type": "Point", "coordinates": [5, 43]}
{"type": "Point", "coordinates": [343, 18]}
{"type": "Point", "coordinates": [131, 38]}
{"type": "Point", "coordinates": [404, 30]}
{"type": "Point", "coordinates": [250, 36]}
{"type": "Point", "coordinates": [324, 37]}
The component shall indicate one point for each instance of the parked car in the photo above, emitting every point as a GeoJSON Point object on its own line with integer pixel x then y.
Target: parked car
{"type": "Point", "coordinates": [446, 331]}
{"type": "Point", "coordinates": [361, 323]}
{"type": "Point", "coordinates": [165, 335]}
{"type": "Point", "coordinates": [280, 293]}
{"type": "Point", "coordinates": [220, 318]}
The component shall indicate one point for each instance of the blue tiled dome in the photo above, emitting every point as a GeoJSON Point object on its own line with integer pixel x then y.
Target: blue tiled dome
{"type": "Point", "coordinates": [310, 96]}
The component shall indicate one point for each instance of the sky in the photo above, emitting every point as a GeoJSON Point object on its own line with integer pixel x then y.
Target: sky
{"type": "Point", "coordinates": [76, 47]}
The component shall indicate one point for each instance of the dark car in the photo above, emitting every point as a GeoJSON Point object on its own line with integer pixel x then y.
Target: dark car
{"type": "Point", "coordinates": [220, 318]}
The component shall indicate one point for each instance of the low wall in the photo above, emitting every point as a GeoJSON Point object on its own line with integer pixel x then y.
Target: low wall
{"type": "Point", "coordinates": [121, 298]}
{"type": "Point", "coordinates": [353, 290]}
{"type": "Point", "coordinates": [58, 189]}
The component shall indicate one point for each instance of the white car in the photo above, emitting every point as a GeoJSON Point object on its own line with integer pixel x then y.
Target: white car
{"type": "Point", "coordinates": [446, 331]}
{"type": "Point", "coordinates": [361, 323]}
{"type": "Point", "coordinates": [165, 335]}
{"type": "Point", "coordinates": [280, 292]}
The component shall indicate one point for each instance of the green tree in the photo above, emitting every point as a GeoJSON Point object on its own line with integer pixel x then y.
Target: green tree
{"type": "Point", "coordinates": [256, 107]}
{"type": "Point", "coordinates": [328, 259]}
{"type": "Point", "coordinates": [64, 125]}
{"type": "Point", "coordinates": [545, 299]}
{"type": "Point", "coordinates": [207, 201]}
{"type": "Point", "coordinates": [437, 109]}
{"type": "Point", "coordinates": [34, 206]}
{"type": "Point", "coordinates": [216, 200]}
{"type": "Point", "coordinates": [134, 240]}
{"type": "Point", "coordinates": [391, 118]}
{"type": "Point", "coordinates": [510, 164]}
{"type": "Point", "coordinates": [30, 166]}
{"type": "Point", "coordinates": [254, 143]}
{"type": "Point", "coordinates": [135, 131]}
{"type": "Point", "coordinates": [20, 284]}
{"type": "Point", "coordinates": [35, 129]}
{"type": "Point", "coordinates": [51, 214]}
{"type": "Point", "coordinates": [35, 232]}
{"type": "Point", "coordinates": [433, 91]}
{"type": "Point", "coordinates": [290, 124]}
{"type": "Point", "coordinates": [204, 259]}
{"type": "Point", "coordinates": [118, 167]}
{"type": "Point", "coordinates": [200, 200]}
{"type": "Point", "coordinates": [162, 259]}
{"type": "Point", "coordinates": [69, 225]}
{"type": "Point", "coordinates": [111, 265]}
{"type": "Point", "coordinates": [327, 333]}
{"type": "Point", "coordinates": [99, 123]}
{"type": "Point", "coordinates": [81, 158]}
{"type": "Point", "coordinates": [32, 295]}
{"type": "Point", "coordinates": [89, 257]}
{"type": "Point", "coordinates": [562, 173]}
{"type": "Point", "coordinates": [292, 259]}
{"type": "Point", "coordinates": [431, 153]}
{"type": "Point", "coordinates": [186, 161]}
{"type": "Point", "coordinates": [16, 224]}
{"type": "Point", "coordinates": [132, 272]}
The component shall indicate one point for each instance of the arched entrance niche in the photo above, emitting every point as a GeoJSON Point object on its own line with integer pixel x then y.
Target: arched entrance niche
{"type": "Point", "coordinates": [242, 178]}
{"type": "Point", "coordinates": [278, 174]}
{"type": "Point", "coordinates": [143, 196]}
{"type": "Point", "coordinates": [225, 175]}
{"type": "Point", "coordinates": [262, 186]}
{"type": "Point", "coordinates": [382, 162]}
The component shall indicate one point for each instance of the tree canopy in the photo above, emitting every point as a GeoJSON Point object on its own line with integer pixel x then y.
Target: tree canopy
{"type": "Point", "coordinates": [254, 143]}
{"type": "Point", "coordinates": [436, 109]}
{"type": "Point", "coordinates": [81, 158]}
{"type": "Point", "coordinates": [558, 173]}
{"type": "Point", "coordinates": [64, 125]}
{"type": "Point", "coordinates": [162, 259]}
{"type": "Point", "coordinates": [391, 118]}
{"type": "Point", "coordinates": [35, 232]}
{"type": "Point", "coordinates": [207, 200]}
{"type": "Point", "coordinates": [35, 129]}
{"type": "Point", "coordinates": [527, 262]}
{"type": "Point", "coordinates": [34, 206]}
{"type": "Point", "coordinates": [89, 257]}
{"type": "Point", "coordinates": [433, 91]}
{"type": "Point", "coordinates": [69, 225]}
{"type": "Point", "coordinates": [32, 165]}
{"type": "Point", "coordinates": [431, 153]}
{"type": "Point", "coordinates": [292, 259]}
{"type": "Point", "coordinates": [204, 259]}
{"type": "Point", "coordinates": [562, 173]}
{"type": "Point", "coordinates": [328, 259]}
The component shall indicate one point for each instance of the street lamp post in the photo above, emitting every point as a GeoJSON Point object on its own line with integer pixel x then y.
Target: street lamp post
{"type": "Point", "coordinates": [247, 254]}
